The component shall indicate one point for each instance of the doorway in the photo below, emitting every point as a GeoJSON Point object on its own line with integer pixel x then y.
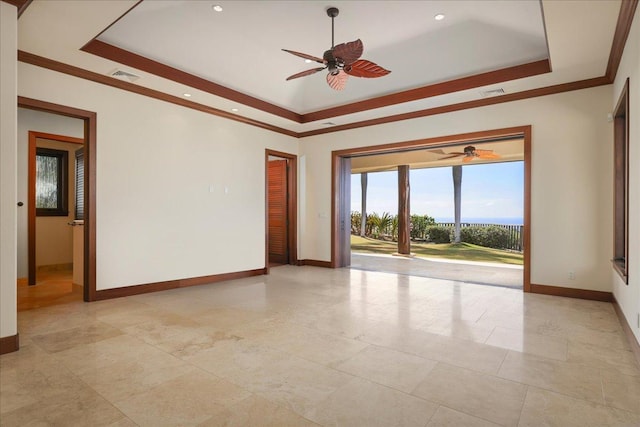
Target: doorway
{"type": "Point", "coordinates": [88, 201]}
{"type": "Point", "coordinates": [341, 179]}
{"type": "Point", "coordinates": [55, 220]}
{"type": "Point", "coordinates": [281, 209]}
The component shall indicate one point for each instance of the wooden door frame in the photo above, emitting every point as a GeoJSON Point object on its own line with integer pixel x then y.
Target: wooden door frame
{"type": "Point", "coordinates": [31, 195]}
{"type": "Point", "coordinates": [292, 205]}
{"type": "Point", "coordinates": [465, 138]}
{"type": "Point", "coordinates": [90, 143]}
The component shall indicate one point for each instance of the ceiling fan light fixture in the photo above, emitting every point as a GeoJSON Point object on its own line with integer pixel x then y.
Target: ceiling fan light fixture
{"type": "Point", "coordinates": [341, 61]}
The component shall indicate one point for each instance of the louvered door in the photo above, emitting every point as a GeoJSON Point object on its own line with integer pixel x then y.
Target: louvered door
{"type": "Point", "coordinates": [278, 246]}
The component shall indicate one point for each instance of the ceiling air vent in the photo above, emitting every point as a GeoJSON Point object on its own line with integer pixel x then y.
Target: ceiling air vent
{"type": "Point", "coordinates": [123, 75]}
{"type": "Point", "coordinates": [491, 92]}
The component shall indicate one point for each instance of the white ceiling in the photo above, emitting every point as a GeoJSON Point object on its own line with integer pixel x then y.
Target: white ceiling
{"type": "Point", "coordinates": [240, 48]}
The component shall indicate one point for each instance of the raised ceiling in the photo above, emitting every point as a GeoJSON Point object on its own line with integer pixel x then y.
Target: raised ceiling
{"type": "Point", "coordinates": [233, 59]}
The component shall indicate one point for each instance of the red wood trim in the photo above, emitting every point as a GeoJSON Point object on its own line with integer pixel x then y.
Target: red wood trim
{"type": "Point", "coordinates": [22, 5]}
{"type": "Point", "coordinates": [139, 62]}
{"type": "Point", "coordinates": [9, 344]}
{"type": "Point", "coordinates": [526, 238]}
{"type": "Point", "coordinates": [173, 284]}
{"type": "Point", "coordinates": [623, 27]}
{"type": "Point", "coordinates": [461, 138]}
{"type": "Point", "coordinates": [478, 80]}
{"type": "Point", "coordinates": [60, 67]}
{"type": "Point", "coordinates": [90, 224]}
{"type": "Point", "coordinates": [31, 212]}
{"type": "Point", "coordinates": [90, 136]}
{"type": "Point", "coordinates": [60, 138]}
{"type": "Point", "coordinates": [315, 263]}
{"type": "Point", "coordinates": [572, 293]}
{"type": "Point", "coordinates": [533, 93]}
{"type": "Point", "coordinates": [633, 342]}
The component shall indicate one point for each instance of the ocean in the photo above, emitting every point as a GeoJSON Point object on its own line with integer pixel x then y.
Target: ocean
{"type": "Point", "coordinates": [500, 221]}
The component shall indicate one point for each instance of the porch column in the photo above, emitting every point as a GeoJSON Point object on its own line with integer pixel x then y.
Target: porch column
{"type": "Point", "coordinates": [404, 213]}
{"type": "Point", "coordinates": [363, 218]}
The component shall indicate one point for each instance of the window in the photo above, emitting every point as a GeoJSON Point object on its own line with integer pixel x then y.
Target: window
{"type": "Point", "coordinates": [621, 185]}
{"type": "Point", "coordinates": [51, 182]}
{"type": "Point", "coordinates": [79, 214]}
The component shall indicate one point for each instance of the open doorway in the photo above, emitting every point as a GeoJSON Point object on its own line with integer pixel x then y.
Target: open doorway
{"type": "Point", "coordinates": [87, 125]}
{"type": "Point", "coordinates": [55, 201]}
{"type": "Point", "coordinates": [281, 209]}
{"type": "Point", "coordinates": [434, 152]}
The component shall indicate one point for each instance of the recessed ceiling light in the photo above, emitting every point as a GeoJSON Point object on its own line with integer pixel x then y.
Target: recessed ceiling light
{"type": "Point", "coordinates": [235, 110]}
{"type": "Point", "coordinates": [439, 17]}
{"type": "Point", "coordinates": [217, 7]}
{"type": "Point", "coordinates": [308, 61]}
{"type": "Point", "coordinates": [188, 95]}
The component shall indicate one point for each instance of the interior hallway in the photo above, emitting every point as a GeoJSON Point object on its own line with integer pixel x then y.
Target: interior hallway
{"type": "Point", "coordinates": [311, 346]}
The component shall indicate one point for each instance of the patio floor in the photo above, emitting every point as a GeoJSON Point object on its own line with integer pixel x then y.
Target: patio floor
{"type": "Point", "coordinates": [483, 273]}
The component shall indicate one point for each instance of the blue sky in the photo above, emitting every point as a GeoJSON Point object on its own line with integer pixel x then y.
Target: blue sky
{"type": "Point", "coordinates": [493, 190]}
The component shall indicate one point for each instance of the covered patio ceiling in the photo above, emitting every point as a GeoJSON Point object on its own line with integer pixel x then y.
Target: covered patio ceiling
{"type": "Point", "coordinates": [509, 150]}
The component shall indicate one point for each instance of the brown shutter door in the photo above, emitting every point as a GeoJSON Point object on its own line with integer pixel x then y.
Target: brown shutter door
{"type": "Point", "coordinates": [278, 212]}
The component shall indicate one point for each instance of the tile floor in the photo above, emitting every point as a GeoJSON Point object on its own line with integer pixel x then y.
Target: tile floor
{"type": "Point", "coordinates": [308, 346]}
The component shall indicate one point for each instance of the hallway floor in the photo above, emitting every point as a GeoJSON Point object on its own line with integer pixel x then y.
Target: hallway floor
{"type": "Point", "coordinates": [51, 288]}
{"type": "Point", "coordinates": [308, 346]}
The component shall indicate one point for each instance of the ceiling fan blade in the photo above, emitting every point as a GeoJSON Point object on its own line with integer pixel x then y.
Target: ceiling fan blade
{"type": "Point", "coordinates": [487, 154]}
{"type": "Point", "coordinates": [305, 56]}
{"type": "Point", "coordinates": [337, 81]}
{"type": "Point", "coordinates": [348, 52]}
{"type": "Point", "coordinates": [305, 73]}
{"type": "Point", "coordinates": [364, 68]}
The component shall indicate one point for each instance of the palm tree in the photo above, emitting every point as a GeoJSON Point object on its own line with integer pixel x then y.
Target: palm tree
{"type": "Point", "coordinates": [457, 200]}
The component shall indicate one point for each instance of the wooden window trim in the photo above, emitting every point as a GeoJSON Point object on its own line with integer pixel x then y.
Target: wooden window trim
{"type": "Point", "coordinates": [621, 185]}
{"type": "Point", "coordinates": [62, 157]}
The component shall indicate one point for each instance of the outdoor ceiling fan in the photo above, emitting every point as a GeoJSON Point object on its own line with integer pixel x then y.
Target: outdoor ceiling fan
{"type": "Point", "coordinates": [342, 61]}
{"type": "Point", "coordinates": [468, 154]}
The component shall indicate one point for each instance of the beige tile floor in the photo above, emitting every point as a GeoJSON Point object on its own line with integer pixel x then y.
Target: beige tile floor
{"type": "Point", "coordinates": [308, 346]}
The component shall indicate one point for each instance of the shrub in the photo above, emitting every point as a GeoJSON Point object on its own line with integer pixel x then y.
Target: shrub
{"type": "Point", "coordinates": [496, 237]}
{"type": "Point", "coordinates": [490, 236]}
{"type": "Point", "coordinates": [439, 234]}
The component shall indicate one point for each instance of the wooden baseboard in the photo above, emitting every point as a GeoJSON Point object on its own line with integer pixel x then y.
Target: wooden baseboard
{"type": "Point", "coordinates": [315, 263]}
{"type": "Point", "coordinates": [173, 284]}
{"type": "Point", "coordinates": [9, 344]}
{"type": "Point", "coordinates": [54, 267]}
{"type": "Point", "coordinates": [633, 342]}
{"type": "Point", "coordinates": [572, 293]}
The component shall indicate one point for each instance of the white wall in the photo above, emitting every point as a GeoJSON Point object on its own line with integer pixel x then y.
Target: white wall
{"type": "Point", "coordinates": [31, 120]}
{"type": "Point", "coordinates": [8, 47]}
{"type": "Point", "coordinates": [628, 296]}
{"type": "Point", "coordinates": [571, 179]}
{"type": "Point", "coordinates": [162, 210]}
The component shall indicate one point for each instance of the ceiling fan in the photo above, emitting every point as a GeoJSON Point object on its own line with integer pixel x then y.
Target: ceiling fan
{"type": "Point", "coordinates": [342, 61]}
{"type": "Point", "coordinates": [468, 154]}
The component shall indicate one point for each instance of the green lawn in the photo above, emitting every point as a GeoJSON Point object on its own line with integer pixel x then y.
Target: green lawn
{"type": "Point", "coordinates": [461, 251]}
